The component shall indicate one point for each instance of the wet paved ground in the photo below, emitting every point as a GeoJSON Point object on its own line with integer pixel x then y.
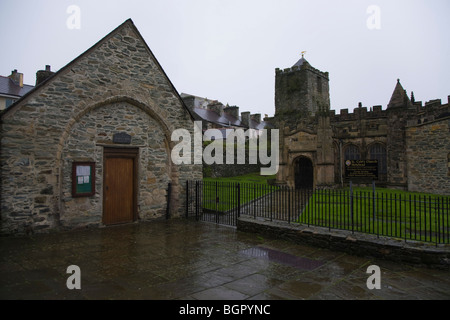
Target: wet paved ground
{"type": "Point", "coordinates": [179, 259]}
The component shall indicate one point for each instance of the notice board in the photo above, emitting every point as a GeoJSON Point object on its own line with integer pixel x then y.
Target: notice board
{"type": "Point", "coordinates": [83, 179]}
{"type": "Point", "coordinates": [364, 169]}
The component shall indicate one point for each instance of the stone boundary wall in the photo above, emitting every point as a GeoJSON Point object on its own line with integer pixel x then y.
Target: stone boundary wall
{"type": "Point", "coordinates": [231, 170]}
{"type": "Point", "coordinates": [359, 244]}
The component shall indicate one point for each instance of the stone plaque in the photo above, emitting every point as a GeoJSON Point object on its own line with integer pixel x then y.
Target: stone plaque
{"type": "Point", "coordinates": [122, 138]}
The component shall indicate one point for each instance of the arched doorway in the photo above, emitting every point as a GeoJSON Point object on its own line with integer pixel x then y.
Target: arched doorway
{"type": "Point", "coordinates": [303, 173]}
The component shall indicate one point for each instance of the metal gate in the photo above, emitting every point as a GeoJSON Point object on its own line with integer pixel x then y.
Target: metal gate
{"type": "Point", "coordinates": [213, 202]}
{"type": "Point", "coordinates": [225, 202]}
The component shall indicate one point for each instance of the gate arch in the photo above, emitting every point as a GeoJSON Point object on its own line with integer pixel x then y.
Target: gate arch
{"type": "Point", "coordinates": [303, 173]}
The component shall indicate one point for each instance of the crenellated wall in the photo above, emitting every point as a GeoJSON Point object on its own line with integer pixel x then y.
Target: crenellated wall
{"type": "Point", "coordinates": [311, 130]}
{"type": "Point", "coordinates": [300, 92]}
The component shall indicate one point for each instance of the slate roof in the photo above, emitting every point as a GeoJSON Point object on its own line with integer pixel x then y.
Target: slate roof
{"type": "Point", "coordinates": [91, 49]}
{"type": "Point", "coordinates": [226, 119]}
{"type": "Point", "coordinates": [10, 88]}
{"type": "Point", "coordinates": [300, 62]}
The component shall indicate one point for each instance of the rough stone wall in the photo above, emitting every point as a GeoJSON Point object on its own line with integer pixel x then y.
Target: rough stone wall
{"type": "Point", "coordinates": [301, 92]}
{"type": "Point", "coordinates": [117, 78]}
{"type": "Point", "coordinates": [360, 244]}
{"type": "Point", "coordinates": [427, 153]}
{"type": "Point", "coordinates": [231, 170]}
{"type": "Point", "coordinates": [363, 129]}
{"type": "Point", "coordinates": [86, 142]}
{"type": "Point", "coordinates": [295, 144]}
{"type": "Point", "coordinates": [396, 148]}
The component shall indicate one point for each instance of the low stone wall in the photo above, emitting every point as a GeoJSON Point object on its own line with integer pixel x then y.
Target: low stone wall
{"type": "Point", "coordinates": [231, 170]}
{"type": "Point", "coordinates": [359, 244]}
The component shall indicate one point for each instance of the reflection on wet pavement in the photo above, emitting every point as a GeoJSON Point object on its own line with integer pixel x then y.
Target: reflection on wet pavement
{"type": "Point", "coordinates": [180, 259]}
{"type": "Point", "coordinates": [281, 257]}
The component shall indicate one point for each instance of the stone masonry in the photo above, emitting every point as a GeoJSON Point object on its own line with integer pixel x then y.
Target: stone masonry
{"type": "Point", "coordinates": [412, 153]}
{"type": "Point", "coordinates": [115, 86]}
{"type": "Point", "coordinates": [428, 153]}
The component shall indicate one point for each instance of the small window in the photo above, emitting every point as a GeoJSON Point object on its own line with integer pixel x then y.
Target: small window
{"type": "Point", "coordinates": [378, 152]}
{"type": "Point", "coordinates": [83, 179]}
{"type": "Point", "coordinates": [9, 102]}
{"type": "Point", "coordinates": [352, 153]}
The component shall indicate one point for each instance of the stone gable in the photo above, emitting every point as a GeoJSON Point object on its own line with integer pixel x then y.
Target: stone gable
{"type": "Point", "coordinates": [115, 86]}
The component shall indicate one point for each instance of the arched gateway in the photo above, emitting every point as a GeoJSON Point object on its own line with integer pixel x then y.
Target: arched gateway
{"type": "Point", "coordinates": [303, 173]}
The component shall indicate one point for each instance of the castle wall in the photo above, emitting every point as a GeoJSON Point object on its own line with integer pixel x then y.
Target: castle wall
{"type": "Point", "coordinates": [400, 131]}
{"type": "Point", "coordinates": [363, 129]}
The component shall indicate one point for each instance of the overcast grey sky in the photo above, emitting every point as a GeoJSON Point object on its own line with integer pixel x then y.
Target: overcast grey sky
{"type": "Point", "coordinates": [228, 49]}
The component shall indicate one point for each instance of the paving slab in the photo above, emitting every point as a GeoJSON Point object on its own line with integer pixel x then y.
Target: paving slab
{"type": "Point", "coordinates": [186, 260]}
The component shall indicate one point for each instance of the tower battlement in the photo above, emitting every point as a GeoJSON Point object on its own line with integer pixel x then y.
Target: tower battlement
{"type": "Point", "coordinates": [359, 113]}
{"type": "Point", "coordinates": [300, 92]}
{"type": "Point", "coordinates": [431, 110]}
{"type": "Point", "coordinates": [305, 66]}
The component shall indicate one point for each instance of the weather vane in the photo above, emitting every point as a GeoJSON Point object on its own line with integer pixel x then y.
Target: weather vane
{"type": "Point", "coordinates": [303, 53]}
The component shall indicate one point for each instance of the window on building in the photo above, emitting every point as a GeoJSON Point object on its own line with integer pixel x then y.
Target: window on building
{"type": "Point", "coordinates": [352, 153]}
{"type": "Point", "coordinates": [9, 102]}
{"type": "Point", "coordinates": [378, 152]}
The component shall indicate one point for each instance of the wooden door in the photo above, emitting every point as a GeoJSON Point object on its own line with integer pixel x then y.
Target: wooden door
{"type": "Point", "coordinates": [119, 195]}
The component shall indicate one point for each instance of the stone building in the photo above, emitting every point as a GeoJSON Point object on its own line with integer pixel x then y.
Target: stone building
{"type": "Point", "coordinates": [12, 88]}
{"type": "Point", "coordinates": [91, 144]}
{"type": "Point", "coordinates": [215, 115]}
{"type": "Point", "coordinates": [410, 142]}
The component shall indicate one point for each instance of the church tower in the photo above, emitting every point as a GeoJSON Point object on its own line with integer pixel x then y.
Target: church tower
{"type": "Point", "coordinates": [300, 91]}
{"type": "Point", "coordinates": [302, 113]}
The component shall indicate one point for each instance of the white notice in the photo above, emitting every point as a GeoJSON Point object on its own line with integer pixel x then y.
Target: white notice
{"type": "Point", "coordinates": [83, 171]}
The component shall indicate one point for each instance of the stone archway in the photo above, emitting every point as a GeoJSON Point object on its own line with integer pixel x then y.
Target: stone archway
{"type": "Point", "coordinates": [303, 173]}
{"type": "Point", "coordinates": [89, 136]}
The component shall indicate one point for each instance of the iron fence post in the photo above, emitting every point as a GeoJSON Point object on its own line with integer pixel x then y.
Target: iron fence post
{"type": "Point", "coordinates": [351, 204]}
{"type": "Point", "coordinates": [239, 199]}
{"type": "Point", "coordinates": [187, 199]}
{"type": "Point", "coordinates": [196, 200]}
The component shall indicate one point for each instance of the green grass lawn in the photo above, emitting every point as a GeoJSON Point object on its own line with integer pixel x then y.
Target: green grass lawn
{"type": "Point", "coordinates": [394, 213]}
{"type": "Point", "coordinates": [221, 194]}
{"type": "Point", "coordinates": [247, 178]}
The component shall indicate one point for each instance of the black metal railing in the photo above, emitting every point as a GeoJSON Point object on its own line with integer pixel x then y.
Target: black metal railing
{"type": "Point", "coordinates": [385, 212]}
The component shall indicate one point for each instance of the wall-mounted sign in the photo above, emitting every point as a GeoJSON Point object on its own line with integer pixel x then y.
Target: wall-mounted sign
{"type": "Point", "coordinates": [83, 179]}
{"type": "Point", "coordinates": [122, 138]}
{"type": "Point", "coordinates": [367, 169]}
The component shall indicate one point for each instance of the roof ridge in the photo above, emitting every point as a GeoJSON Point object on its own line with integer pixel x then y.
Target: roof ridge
{"type": "Point", "coordinates": [129, 22]}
